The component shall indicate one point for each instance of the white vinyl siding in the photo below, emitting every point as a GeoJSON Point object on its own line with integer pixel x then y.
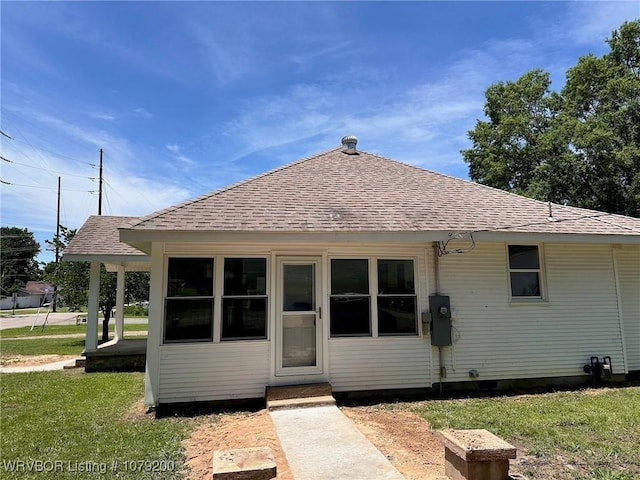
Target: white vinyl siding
{"type": "Point", "coordinates": [628, 263]}
{"type": "Point", "coordinates": [228, 370]}
{"type": "Point", "coordinates": [551, 339]}
{"type": "Point", "coordinates": [379, 363]}
{"type": "Point", "coordinates": [206, 372]}
{"type": "Point", "coordinates": [500, 339]}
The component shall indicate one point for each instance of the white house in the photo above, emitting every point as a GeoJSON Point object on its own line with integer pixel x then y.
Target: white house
{"type": "Point", "coordinates": [323, 270]}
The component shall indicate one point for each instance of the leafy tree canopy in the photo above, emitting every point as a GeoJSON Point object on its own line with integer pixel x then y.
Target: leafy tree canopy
{"type": "Point", "coordinates": [580, 145]}
{"type": "Point", "coordinates": [18, 264]}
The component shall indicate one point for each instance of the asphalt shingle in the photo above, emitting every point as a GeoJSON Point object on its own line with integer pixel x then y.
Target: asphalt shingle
{"type": "Point", "coordinates": [99, 236]}
{"type": "Point", "coordinates": [337, 192]}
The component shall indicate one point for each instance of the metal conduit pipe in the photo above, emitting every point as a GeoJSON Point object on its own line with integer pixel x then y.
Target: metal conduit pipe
{"type": "Point", "coordinates": [436, 267]}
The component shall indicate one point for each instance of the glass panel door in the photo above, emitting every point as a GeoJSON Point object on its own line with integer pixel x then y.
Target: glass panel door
{"type": "Point", "coordinates": [299, 315]}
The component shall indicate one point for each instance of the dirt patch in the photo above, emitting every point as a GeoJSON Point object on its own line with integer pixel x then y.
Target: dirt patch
{"type": "Point", "coordinates": [138, 412]}
{"type": "Point", "coordinates": [404, 438]}
{"type": "Point", "coordinates": [32, 360]}
{"type": "Point", "coordinates": [232, 431]}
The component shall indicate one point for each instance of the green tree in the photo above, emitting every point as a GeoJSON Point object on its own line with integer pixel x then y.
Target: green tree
{"type": "Point", "coordinates": [601, 115]}
{"type": "Point", "coordinates": [70, 278]}
{"type": "Point", "coordinates": [18, 264]}
{"type": "Point", "coordinates": [509, 148]}
{"type": "Point", "coordinates": [581, 145]}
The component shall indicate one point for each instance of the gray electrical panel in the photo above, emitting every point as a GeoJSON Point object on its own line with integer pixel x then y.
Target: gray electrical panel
{"type": "Point", "coordinates": [440, 320]}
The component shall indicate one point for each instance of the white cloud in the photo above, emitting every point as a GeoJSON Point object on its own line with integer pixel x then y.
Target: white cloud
{"type": "Point", "coordinates": [590, 23]}
{"type": "Point", "coordinates": [102, 116]}
{"type": "Point", "coordinates": [176, 150]}
{"type": "Point", "coordinates": [142, 112]}
{"type": "Point", "coordinates": [185, 160]}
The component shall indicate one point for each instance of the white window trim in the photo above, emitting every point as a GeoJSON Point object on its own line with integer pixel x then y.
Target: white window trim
{"type": "Point", "coordinates": [165, 297]}
{"type": "Point", "coordinates": [218, 315]}
{"type": "Point", "coordinates": [218, 291]}
{"type": "Point", "coordinates": [373, 293]}
{"type": "Point", "coordinates": [543, 298]}
{"type": "Point", "coordinates": [373, 320]}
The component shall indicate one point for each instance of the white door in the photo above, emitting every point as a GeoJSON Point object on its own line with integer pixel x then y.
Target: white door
{"type": "Point", "coordinates": [299, 316]}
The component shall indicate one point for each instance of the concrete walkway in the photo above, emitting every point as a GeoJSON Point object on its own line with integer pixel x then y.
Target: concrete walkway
{"type": "Point", "coordinates": [46, 367]}
{"type": "Point", "coordinates": [320, 443]}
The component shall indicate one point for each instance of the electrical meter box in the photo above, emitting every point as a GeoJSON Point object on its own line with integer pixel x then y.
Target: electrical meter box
{"type": "Point", "coordinates": [440, 308]}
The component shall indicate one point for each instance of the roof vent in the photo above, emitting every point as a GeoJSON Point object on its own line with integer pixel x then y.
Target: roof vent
{"type": "Point", "coordinates": [349, 145]}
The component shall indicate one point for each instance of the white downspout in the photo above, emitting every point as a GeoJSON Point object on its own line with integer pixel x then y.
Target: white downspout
{"type": "Point", "coordinates": [616, 278]}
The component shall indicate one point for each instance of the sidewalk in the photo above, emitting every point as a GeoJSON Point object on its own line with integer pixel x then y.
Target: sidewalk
{"type": "Point", "coordinates": [47, 367]}
{"type": "Point", "coordinates": [320, 443]}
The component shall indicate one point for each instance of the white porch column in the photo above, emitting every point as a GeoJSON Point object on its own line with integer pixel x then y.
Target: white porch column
{"type": "Point", "coordinates": [120, 304]}
{"type": "Point", "coordinates": [91, 341]}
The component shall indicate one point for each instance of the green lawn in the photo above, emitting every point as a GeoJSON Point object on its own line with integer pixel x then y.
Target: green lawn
{"type": "Point", "coordinates": [60, 423]}
{"type": "Point", "coordinates": [38, 331]}
{"type": "Point", "coordinates": [22, 341]}
{"type": "Point", "coordinates": [42, 346]}
{"type": "Point", "coordinates": [595, 432]}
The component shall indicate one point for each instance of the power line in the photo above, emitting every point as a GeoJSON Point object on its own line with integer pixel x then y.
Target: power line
{"type": "Point", "coordinates": [39, 186]}
{"type": "Point", "coordinates": [55, 153]}
{"type": "Point", "coordinates": [26, 141]}
{"type": "Point", "coordinates": [49, 171]}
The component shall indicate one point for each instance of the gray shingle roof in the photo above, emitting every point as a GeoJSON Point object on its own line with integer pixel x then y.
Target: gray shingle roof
{"type": "Point", "coordinates": [99, 236]}
{"type": "Point", "coordinates": [336, 192]}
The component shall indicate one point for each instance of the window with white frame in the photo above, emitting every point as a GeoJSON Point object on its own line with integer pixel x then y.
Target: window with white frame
{"type": "Point", "coordinates": [397, 300]}
{"type": "Point", "coordinates": [350, 301]}
{"type": "Point", "coordinates": [353, 309]}
{"type": "Point", "coordinates": [244, 301]}
{"type": "Point", "coordinates": [525, 274]}
{"type": "Point", "coordinates": [189, 300]}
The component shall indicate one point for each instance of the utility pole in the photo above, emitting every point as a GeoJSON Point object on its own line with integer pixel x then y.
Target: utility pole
{"type": "Point", "coordinates": [100, 187]}
{"type": "Point", "coordinates": [55, 288]}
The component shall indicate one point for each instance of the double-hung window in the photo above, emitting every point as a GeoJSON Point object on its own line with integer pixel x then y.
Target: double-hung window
{"type": "Point", "coordinates": [350, 301]}
{"type": "Point", "coordinates": [189, 300]}
{"type": "Point", "coordinates": [244, 301]}
{"type": "Point", "coordinates": [524, 272]}
{"type": "Point", "coordinates": [397, 301]}
{"type": "Point", "coordinates": [393, 307]}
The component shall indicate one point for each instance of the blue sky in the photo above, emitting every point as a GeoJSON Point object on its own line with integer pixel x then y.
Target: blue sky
{"type": "Point", "coordinates": [186, 97]}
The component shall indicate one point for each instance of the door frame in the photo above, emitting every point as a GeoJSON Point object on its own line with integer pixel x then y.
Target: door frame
{"type": "Point", "coordinates": [289, 372]}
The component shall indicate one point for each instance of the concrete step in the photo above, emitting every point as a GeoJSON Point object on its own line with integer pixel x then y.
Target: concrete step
{"type": "Point", "coordinates": [78, 363]}
{"type": "Point", "coordinates": [299, 396]}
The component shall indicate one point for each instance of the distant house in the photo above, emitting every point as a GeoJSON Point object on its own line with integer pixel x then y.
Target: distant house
{"type": "Point", "coordinates": [354, 269]}
{"type": "Point", "coordinates": [34, 294]}
{"type": "Point", "coordinates": [42, 291]}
